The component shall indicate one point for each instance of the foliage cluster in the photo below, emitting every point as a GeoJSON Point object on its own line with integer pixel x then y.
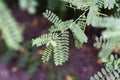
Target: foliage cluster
{"type": "Point", "coordinates": [91, 16]}
{"type": "Point", "coordinates": [57, 40]}
{"type": "Point", "coordinates": [108, 41]}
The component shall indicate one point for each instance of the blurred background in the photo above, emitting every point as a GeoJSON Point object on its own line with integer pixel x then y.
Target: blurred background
{"type": "Point", "coordinates": [20, 22]}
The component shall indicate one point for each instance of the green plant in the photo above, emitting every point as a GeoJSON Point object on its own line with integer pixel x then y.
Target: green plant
{"type": "Point", "coordinates": [112, 62]}
{"type": "Point", "coordinates": [11, 35]}
{"type": "Point", "coordinates": [109, 39]}
{"type": "Point", "coordinates": [58, 38]}
{"type": "Point", "coordinates": [9, 28]}
{"type": "Point", "coordinates": [111, 70]}
{"type": "Point", "coordinates": [107, 74]}
{"type": "Point", "coordinates": [91, 16]}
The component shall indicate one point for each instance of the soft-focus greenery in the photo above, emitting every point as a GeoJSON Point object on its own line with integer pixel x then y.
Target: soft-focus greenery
{"type": "Point", "coordinates": [103, 14]}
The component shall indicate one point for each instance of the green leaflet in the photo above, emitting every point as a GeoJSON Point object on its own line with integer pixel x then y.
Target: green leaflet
{"type": "Point", "coordinates": [106, 74]}
{"type": "Point", "coordinates": [109, 4]}
{"type": "Point", "coordinates": [81, 4]}
{"type": "Point", "coordinates": [112, 62]}
{"type": "Point", "coordinates": [61, 27]}
{"type": "Point", "coordinates": [60, 40]}
{"type": "Point", "coordinates": [59, 46]}
{"type": "Point", "coordinates": [44, 39]}
{"type": "Point", "coordinates": [47, 53]}
{"type": "Point", "coordinates": [107, 46]}
{"type": "Point", "coordinates": [110, 72]}
{"type": "Point", "coordinates": [92, 17]}
{"type": "Point", "coordinates": [9, 28]}
{"type": "Point", "coordinates": [78, 44]}
{"type": "Point", "coordinates": [57, 40]}
{"type": "Point", "coordinates": [80, 35]}
{"type": "Point", "coordinates": [111, 34]}
{"type": "Point", "coordinates": [108, 22]}
{"type": "Point", "coordinates": [110, 37]}
{"type": "Point", "coordinates": [52, 17]}
{"type": "Point", "coordinates": [61, 51]}
{"type": "Point", "coordinates": [93, 14]}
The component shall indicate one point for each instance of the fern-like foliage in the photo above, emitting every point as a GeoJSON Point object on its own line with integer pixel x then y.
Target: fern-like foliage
{"type": "Point", "coordinates": [90, 16]}
{"type": "Point", "coordinates": [82, 25]}
{"type": "Point", "coordinates": [110, 37]}
{"type": "Point", "coordinates": [61, 27]}
{"type": "Point", "coordinates": [52, 17]}
{"type": "Point", "coordinates": [108, 22]}
{"type": "Point", "coordinates": [58, 45]}
{"type": "Point", "coordinates": [78, 32]}
{"type": "Point", "coordinates": [9, 28]}
{"type": "Point", "coordinates": [107, 74]}
{"type": "Point", "coordinates": [57, 41]}
{"type": "Point", "coordinates": [81, 4]}
{"type": "Point", "coordinates": [61, 51]}
{"type": "Point", "coordinates": [109, 4]}
{"type": "Point", "coordinates": [93, 6]}
{"type": "Point", "coordinates": [44, 39]}
{"type": "Point", "coordinates": [94, 10]}
{"type": "Point", "coordinates": [47, 53]}
{"type": "Point", "coordinates": [112, 62]}
{"type": "Point", "coordinates": [78, 44]}
{"type": "Point", "coordinates": [111, 71]}
{"type": "Point", "coordinates": [107, 46]}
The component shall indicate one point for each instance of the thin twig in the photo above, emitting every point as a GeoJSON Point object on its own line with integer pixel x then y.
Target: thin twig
{"type": "Point", "coordinates": [75, 21]}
